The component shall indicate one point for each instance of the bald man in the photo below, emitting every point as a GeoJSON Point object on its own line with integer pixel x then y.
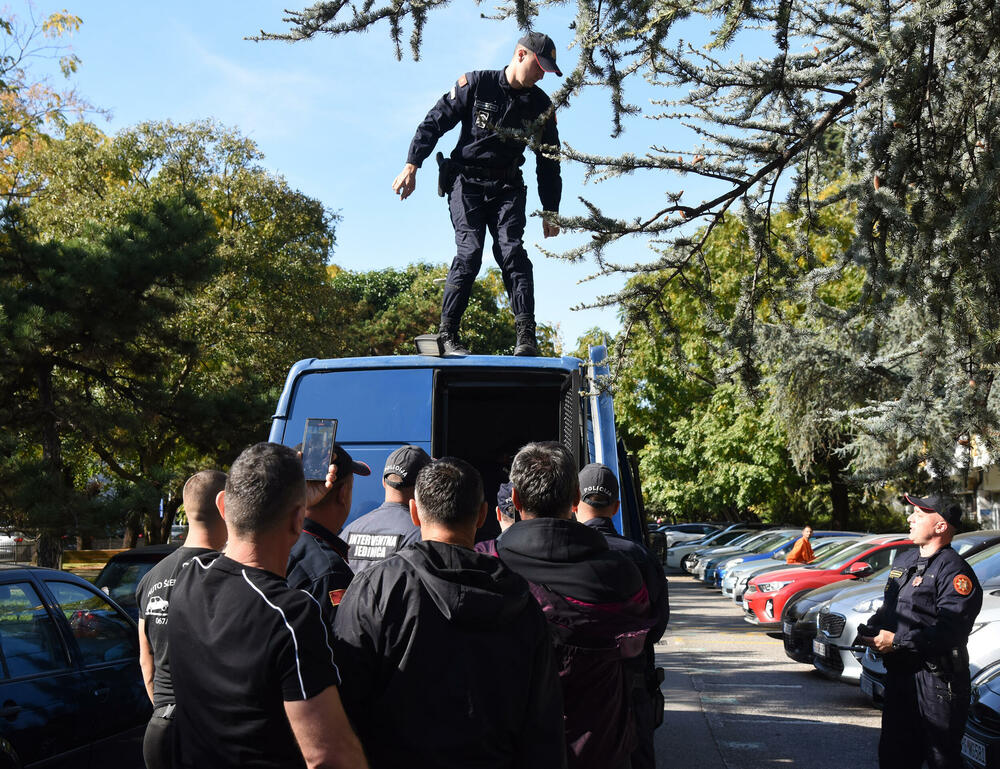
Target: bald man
{"type": "Point", "coordinates": [206, 534]}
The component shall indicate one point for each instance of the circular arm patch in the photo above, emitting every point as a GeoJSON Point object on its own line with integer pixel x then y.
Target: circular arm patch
{"type": "Point", "coordinates": [963, 585]}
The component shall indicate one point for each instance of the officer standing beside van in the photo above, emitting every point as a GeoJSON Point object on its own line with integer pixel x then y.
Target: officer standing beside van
{"type": "Point", "coordinates": [483, 181]}
{"type": "Point", "coordinates": [922, 631]}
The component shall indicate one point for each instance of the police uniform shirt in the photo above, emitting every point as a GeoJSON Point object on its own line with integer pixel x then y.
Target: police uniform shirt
{"type": "Point", "coordinates": [318, 564]}
{"type": "Point", "coordinates": [382, 532]}
{"type": "Point", "coordinates": [482, 101]}
{"type": "Point", "coordinates": [242, 643]}
{"type": "Point", "coordinates": [153, 597]}
{"type": "Point", "coordinates": [930, 602]}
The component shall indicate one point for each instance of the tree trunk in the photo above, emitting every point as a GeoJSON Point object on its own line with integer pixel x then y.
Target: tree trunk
{"type": "Point", "coordinates": [169, 513]}
{"type": "Point", "coordinates": [838, 492]}
{"type": "Point", "coordinates": [48, 551]}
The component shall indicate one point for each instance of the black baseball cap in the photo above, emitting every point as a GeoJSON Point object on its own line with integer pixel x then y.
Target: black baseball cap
{"type": "Point", "coordinates": [406, 462]}
{"type": "Point", "coordinates": [948, 509]}
{"type": "Point", "coordinates": [544, 50]}
{"type": "Point", "coordinates": [598, 485]}
{"type": "Point", "coordinates": [505, 501]}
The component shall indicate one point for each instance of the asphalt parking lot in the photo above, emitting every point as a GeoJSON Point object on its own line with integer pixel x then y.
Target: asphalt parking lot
{"type": "Point", "coordinates": [735, 701]}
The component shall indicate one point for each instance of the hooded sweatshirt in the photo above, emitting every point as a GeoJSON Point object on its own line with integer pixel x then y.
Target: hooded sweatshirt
{"type": "Point", "coordinates": [447, 662]}
{"type": "Point", "coordinates": [598, 612]}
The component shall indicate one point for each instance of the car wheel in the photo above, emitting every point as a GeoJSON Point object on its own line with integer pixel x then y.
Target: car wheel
{"type": "Point", "coordinates": [686, 562]}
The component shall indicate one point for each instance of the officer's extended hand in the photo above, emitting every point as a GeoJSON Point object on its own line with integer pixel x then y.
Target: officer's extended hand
{"type": "Point", "coordinates": [406, 182]}
{"type": "Point", "coordinates": [316, 491]}
{"type": "Point", "coordinates": [883, 641]}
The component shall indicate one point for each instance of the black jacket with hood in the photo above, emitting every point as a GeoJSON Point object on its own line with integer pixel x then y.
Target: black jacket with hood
{"type": "Point", "coordinates": [446, 661]}
{"type": "Point", "coordinates": [598, 612]}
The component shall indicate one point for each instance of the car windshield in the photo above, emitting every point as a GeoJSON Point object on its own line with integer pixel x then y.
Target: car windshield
{"type": "Point", "coordinates": [986, 563]}
{"type": "Point", "coordinates": [767, 543]}
{"type": "Point", "coordinates": [119, 579]}
{"type": "Point", "coordinates": [827, 548]}
{"type": "Point", "coordinates": [843, 557]}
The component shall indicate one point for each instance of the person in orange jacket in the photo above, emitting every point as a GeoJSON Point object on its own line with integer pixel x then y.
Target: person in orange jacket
{"type": "Point", "coordinates": [802, 551]}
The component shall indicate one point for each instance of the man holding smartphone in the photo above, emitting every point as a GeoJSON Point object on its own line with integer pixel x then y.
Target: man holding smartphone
{"type": "Point", "coordinates": [318, 561]}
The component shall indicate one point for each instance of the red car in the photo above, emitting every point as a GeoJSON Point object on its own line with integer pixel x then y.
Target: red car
{"type": "Point", "coordinates": [768, 593]}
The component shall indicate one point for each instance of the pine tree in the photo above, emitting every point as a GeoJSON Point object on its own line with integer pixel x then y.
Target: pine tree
{"type": "Point", "coordinates": [904, 96]}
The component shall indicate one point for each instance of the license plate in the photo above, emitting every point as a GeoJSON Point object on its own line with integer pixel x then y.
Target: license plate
{"type": "Point", "coordinates": [746, 604]}
{"type": "Point", "coordinates": [786, 628]}
{"type": "Point", "coordinates": [974, 751]}
{"type": "Point", "coordinates": [819, 648]}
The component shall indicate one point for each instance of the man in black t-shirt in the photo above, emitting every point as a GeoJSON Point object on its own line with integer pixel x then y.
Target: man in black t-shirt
{"type": "Point", "coordinates": [206, 534]}
{"type": "Point", "coordinates": [252, 669]}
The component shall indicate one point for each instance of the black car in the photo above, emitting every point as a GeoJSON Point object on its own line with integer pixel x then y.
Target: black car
{"type": "Point", "coordinates": [981, 742]}
{"type": "Point", "coordinates": [121, 574]}
{"type": "Point", "coordinates": [71, 692]}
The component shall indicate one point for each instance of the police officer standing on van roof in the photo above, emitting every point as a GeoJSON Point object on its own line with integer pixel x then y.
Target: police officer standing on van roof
{"type": "Point", "coordinates": [922, 630]}
{"type": "Point", "coordinates": [483, 179]}
{"type": "Point", "coordinates": [389, 527]}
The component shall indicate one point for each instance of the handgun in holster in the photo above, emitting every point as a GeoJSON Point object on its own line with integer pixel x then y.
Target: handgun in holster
{"type": "Point", "coordinates": [447, 171]}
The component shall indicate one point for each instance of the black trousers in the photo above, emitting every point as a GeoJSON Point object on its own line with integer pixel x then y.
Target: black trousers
{"type": "Point", "coordinates": [923, 719]}
{"type": "Point", "coordinates": [478, 206]}
{"type": "Point", "coordinates": [157, 744]}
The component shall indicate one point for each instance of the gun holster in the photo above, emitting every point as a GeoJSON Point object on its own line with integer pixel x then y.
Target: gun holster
{"type": "Point", "coordinates": [447, 171]}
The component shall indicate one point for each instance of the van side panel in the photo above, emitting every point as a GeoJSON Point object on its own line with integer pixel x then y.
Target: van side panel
{"type": "Point", "coordinates": [377, 412]}
{"type": "Point", "coordinates": [602, 416]}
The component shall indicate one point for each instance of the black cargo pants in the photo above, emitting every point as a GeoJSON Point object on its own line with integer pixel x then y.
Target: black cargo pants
{"type": "Point", "coordinates": [923, 719]}
{"type": "Point", "coordinates": [478, 206]}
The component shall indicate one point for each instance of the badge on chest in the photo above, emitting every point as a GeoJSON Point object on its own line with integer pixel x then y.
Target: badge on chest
{"type": "Point", "coordinates": [484, 113]}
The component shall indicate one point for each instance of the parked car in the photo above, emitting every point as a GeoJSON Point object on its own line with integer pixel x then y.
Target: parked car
{"type": "Point", "coordinates": [687, 532]}
{"type": "Point", "coordinates": [71, 687]}
{"type": "Point", "coordinates": [121, 574]}
{"type": "Point", "coordinates": [825, 620]}
{"type": "Point", "coordinates": [767, 593]}
{"type": "Point", "coordinates": [981, 741]}
{"type": "Point", "coordinates": [178, 533]}
{"type": "Point", "coordinates": [835, 623]}
{"type": "Point", "coordinates": [775, 553]}
{"type": "Point", "coordinates": [800, 617]}
{"type": "Point", "coordinates": [734, 583]}
{"type": "Point", "coordinates": [679, 552]}
{"type": "Point", "coordinates": [695, 563]}
{"type": "Point", "coordinates": [764, 543]}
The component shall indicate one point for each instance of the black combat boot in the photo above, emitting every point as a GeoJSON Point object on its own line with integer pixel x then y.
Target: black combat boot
{"type": "Point", "coordinates": [450, 342]}
{"type": "Point", "coordinates": [526, 343]}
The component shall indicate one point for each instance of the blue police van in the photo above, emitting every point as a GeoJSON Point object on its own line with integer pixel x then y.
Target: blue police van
{"type": "Point", "coordinates": [481, 408]}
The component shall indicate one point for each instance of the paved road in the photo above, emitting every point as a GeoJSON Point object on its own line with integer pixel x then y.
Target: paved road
{"type": "Point", "coordinates": [735, 701]}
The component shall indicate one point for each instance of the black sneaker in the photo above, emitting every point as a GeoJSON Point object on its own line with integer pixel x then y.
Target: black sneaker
{"type": "Point", "coordinates": [451, 345]}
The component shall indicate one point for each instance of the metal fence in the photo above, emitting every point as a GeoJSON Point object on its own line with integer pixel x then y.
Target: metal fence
{"type": "Point", "coordinates": [17, 552]}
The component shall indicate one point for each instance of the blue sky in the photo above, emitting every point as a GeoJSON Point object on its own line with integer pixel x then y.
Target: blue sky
{"type": "Point", "coordinates": [335, 116]}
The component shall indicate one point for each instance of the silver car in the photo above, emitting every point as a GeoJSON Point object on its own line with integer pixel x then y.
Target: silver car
{"type": "Point", "coordinates": [678, 552]}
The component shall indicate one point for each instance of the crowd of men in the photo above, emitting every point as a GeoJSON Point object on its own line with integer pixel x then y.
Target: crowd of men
{"type": "Point", "coordinates": [406, 643]}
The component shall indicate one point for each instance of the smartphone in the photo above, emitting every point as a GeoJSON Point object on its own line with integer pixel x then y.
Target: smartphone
{"type": "Point", "coordinates": [317, 447]}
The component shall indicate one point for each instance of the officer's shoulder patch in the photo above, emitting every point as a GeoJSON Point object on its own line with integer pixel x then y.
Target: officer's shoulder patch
{"type": "Point", "coordinates": [963, 585]}
{"type": "Point", "coordinates": [336, 596]}
{"type": "Point", "coordinates": [463, 81]}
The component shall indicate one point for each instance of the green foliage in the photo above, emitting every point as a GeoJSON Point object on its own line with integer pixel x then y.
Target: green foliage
{"type": "Point", "coordinates": [900, 103]}
{"type": "Point", "coordinates": [383, 311]}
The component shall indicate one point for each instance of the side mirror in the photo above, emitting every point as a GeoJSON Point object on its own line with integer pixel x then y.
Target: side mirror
{"type": "Point", "coordinates": [860, 569]}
